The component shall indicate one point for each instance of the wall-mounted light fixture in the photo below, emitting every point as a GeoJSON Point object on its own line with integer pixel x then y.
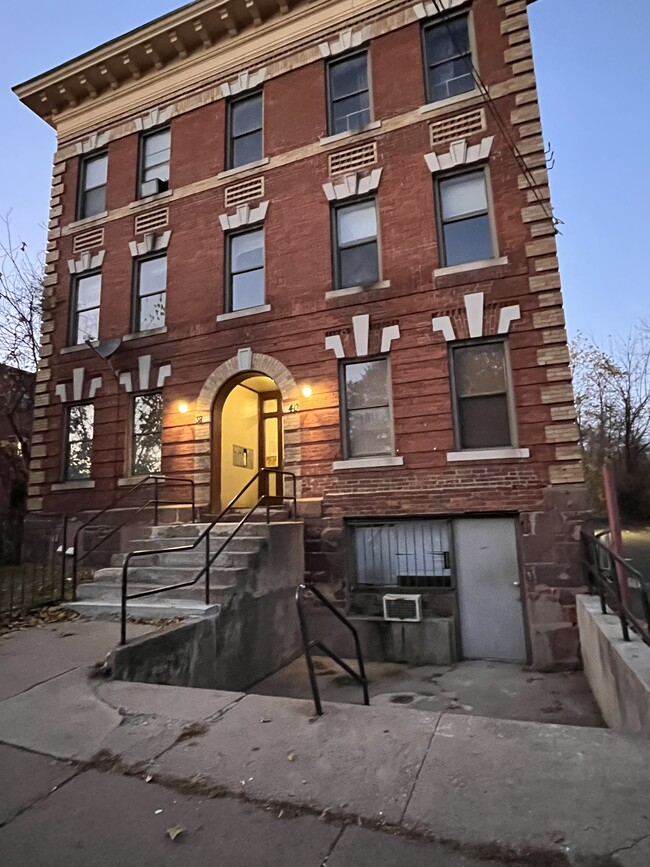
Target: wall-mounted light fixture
{"type": "Point", "coordinates": [307, 391]}
{"type": "Point", "coordinates": [183, 407]}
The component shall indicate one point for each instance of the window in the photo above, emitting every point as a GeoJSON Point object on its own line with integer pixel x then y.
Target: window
{"type": "Point", "coordinates": [348, 94]}
{"type": "Point", "coordinates": [464, 218]}
{"type": "Point", "coordinates": [448, 59]}
{"type": "Point", "coordinates": [402, 554]}
{"type": "Point", "coordinates": [356, 250]}
{"type": "Point", "coordinates": [146, 443]}
{"type": "Point", "coordinates": [245, 278]}
{"type": "Point", "coordinates": [245, 143]}
{"type": "Point", "coordinates": [85, 310]}
{"type": "Point", "coordinates": [92, 186]}
{"type": "Point", "coordinates": [482, 405]}
{"type": "Point", "coordinates": [366, 410]}
{"type": "Point", "coordinates": [78, 444]}
{"type": "Point", "coordinates": [150, 293]}
{"type": "Point", "coordinates": [155, 151]}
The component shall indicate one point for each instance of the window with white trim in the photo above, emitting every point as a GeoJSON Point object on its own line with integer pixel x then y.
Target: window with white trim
{"type": "Point", "coordinates": [447, 58]}
{"type": "Point", "coordinates": [483, 407]}
{"type": "Point", "coordinates": [366, 411]}
{"type": "Point", "coordinates": [78, 441]}
{"type": "Point", "coordinates": [464, 221]}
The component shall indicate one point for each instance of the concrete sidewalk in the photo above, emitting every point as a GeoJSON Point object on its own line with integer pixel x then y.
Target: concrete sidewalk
{"type": "Point", "coordinates": [231, 768]}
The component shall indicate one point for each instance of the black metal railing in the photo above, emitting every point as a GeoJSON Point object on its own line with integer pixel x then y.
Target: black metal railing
{"type": "Point", "coordinates": [619, 585]}
{"type": "Point", "coordinates": [153, 502]}
{"type": "Point", "coordinates": [210, 556]}
{"type": "Point", "coordinates": [309, 645]}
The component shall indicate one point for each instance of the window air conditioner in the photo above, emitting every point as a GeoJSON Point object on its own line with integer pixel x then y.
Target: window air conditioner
{"type": "Point", "coordinates": [403, 607]}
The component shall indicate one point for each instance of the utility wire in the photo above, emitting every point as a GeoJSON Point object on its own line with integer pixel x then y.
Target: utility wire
{"type": "Point", "coordinates": [485, 94]}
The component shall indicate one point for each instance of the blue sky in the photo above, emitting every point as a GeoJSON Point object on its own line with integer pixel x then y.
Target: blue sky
{"type": "Point", "coordinates": [594, 81]}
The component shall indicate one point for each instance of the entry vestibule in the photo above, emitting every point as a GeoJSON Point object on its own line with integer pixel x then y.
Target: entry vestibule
{"type": "Point", "coordinates": [247, 426]}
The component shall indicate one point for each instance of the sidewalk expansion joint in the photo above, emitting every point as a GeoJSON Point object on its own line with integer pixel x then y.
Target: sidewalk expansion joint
{"type": "Point", "coordinates": [40, 683]}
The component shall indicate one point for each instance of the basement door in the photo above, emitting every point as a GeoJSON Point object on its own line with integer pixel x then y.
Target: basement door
{"type": "Point", "coordinates": [488, 587]}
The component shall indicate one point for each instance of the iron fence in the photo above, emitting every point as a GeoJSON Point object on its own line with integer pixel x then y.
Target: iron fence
{"type": "Point", "coordinates": [619, 585]}
{"type": "Point", "coordinates": [36, 577]}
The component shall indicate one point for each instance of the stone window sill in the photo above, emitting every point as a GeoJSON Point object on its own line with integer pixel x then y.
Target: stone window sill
{"type": "Point", "coordinates": [73, 486]}
{"type": "Point", "coordinates": [356, 290]}
{"type": "Point", "coordinates": [471, 266]}
{"type": "Point", "coordinates": [488, 454]}
{"type": "Point", "coordinates": [247, 311]}
{"type": "Point", "coordinates": [157, 197]}
{"type": "Point", "coordinates": [369, 463]}
{"type": "Point", "coordinates": [66, 350]}
{"type": "Point", "coordinates": [151, 332]}
{"type": "Point", "coordinates": [452, 100]}
{"type": "Point", "coordinates": [87, 221]}
{"type": "Point", "coordinates": [245, 168]}
{"type": "Point", "coordinates": [349, 133]}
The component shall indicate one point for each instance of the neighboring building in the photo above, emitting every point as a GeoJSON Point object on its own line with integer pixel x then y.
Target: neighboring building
{"type": "Point", "coordinates": [16, 407]}
{"type": "Point", "coordinates": [307, 222]}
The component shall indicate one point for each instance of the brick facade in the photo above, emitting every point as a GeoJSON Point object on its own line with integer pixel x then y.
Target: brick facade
{"type": "Point", "coordinates": [543, 489]}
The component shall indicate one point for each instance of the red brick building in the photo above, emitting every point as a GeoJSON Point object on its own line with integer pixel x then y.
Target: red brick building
{"type": "Point", "coordinates": [322, 234]}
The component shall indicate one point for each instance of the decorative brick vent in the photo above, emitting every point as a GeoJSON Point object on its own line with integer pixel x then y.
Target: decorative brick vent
{"type": "Point", "coordinates": [353, 159]}
{"type": "Point", "coordinates": [88, 240]}
{"type": "Point", "coordinates": [246, 191]}
{"type": "Point", "coordinates": [151, 220]}
{"type": "Point", "coordinates": [458, 126]}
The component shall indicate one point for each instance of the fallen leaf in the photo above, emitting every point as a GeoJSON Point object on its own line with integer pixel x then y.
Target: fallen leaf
{"type": "Point", "coordinates": [174, 832]}
{"type": "Point", "coordinates": [291, 757]}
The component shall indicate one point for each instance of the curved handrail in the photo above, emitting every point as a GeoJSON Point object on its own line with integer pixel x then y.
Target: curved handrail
{"type": "Point", "coordinates": [155, 477]}
{"type": "Point", "coordinates": [359, 676]}
{"type": "Point", "coordinates": [205, 535]}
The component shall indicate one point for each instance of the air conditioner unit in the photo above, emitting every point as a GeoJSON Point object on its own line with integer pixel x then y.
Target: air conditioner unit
{"type": "Point", "coordinates": [151, 188]}
{"type": "Point", "coordinates": [406, 608]}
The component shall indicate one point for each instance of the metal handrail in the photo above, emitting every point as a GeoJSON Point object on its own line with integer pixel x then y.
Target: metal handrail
{"type": "Point", "coordinates": [156, 478]}
{"type": "Point", "coordinates": [606, 583]}
{"type": "Point", "coordinates": [205, 535]}
{"type": "Point", "coordinates": [359, 676]}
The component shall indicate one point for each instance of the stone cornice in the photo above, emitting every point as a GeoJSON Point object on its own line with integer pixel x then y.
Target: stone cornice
{"type": "Point", "coordinates": [198, 30]}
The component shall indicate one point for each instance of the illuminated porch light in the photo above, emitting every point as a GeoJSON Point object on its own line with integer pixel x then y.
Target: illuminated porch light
{"type": "Point", "coordinates": [307, 391]}
{"type": "Point", "coordinates": [183, 407]}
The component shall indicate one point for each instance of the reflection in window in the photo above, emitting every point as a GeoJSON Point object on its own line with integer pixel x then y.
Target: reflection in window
{"type": "Point", "coordinates": [246, 270]}
{"type": "Point", "coordinates": [92, 186]}
{"type": "Point", "coordinates": [146, 446]}
{"type": "Point", "coordinates": [366, 409]}
{"type": "Point", "coordinates": [85, 314]}
{"type": "Point", "coordinates": [356, 253]}
{"type": "Point", "coordinates": [448, 59]}
{"type": "Point", "coordinates": [349, 96]}
{"type": "Point", "coordinates": [154, 168]}
{"type": "Point", "coordinates": [465, 219]}
{"type": "Point", "coordinates": [150, 293]}
{"type": "Point", "coordinates": [245, 131]}
{"type": "Point", "coordinates": [79, 442]}
{"type": "Point", "coordinates": [481, 388]}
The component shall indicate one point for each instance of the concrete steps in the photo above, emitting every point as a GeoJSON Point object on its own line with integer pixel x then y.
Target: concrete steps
{"type": "Point", "coordinates": [144, 609]}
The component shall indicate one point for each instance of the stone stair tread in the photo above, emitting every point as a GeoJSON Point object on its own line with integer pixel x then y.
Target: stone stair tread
{"type": "Point", "coordinates": [143, 609]}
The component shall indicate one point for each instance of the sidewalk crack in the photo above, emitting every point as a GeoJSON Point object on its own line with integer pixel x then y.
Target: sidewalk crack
{"type": "Point", "coordinates": [417, 776]}
{"type": "Point", "coordinates": [332, 847]}
{"type": "Point", "coordinates": [40, 683]}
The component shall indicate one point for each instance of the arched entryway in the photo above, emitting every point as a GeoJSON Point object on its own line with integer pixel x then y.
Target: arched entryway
{"type": "Point", "coordinates": [247, 436]}
{"type": "Point", "coordinates": [244, 364]}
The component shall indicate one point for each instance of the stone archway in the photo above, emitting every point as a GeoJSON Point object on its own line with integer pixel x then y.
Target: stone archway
{"type": "Point", "coordinates": [255, 362]}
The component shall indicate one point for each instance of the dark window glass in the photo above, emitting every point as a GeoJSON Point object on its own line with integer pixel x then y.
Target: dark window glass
{"type": "Point", "coordinates": [245, 143]}
{"type": "Point", "coordinates": [366, 407]}
{"type": "Point", "coordinates": [146, 445]}
{"type": "Point", "coordinates": [85, 313]}
{"type": "Point", "coordinates": [448, 59]}
{"type": "Point", "coordinates": [464, 218]}
{"type": "Point", "coordinates": [150, 293]}
{"type": "Point", "coordinates": [357, 255]}
{"type": "Point", "coordinates": [154, 168]}
{"type": "Point", "coordinates": [349, 96]}
{"type": "Point", "coordinates": [481, 387]}
{"type": "Point", "coordinates": [92, 186]}
{"type": "Point", "coordinates": [79, 442]}
{"type": "Point", "coordinates": [246, 270]}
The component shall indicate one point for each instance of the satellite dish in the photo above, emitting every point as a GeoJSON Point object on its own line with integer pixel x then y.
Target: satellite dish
{"type": "Point", "coordinates": [106, 348]}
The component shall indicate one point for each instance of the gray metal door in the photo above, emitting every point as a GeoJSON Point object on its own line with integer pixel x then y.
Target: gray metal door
{"type": "Point", "coordinates": [489, 599]}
